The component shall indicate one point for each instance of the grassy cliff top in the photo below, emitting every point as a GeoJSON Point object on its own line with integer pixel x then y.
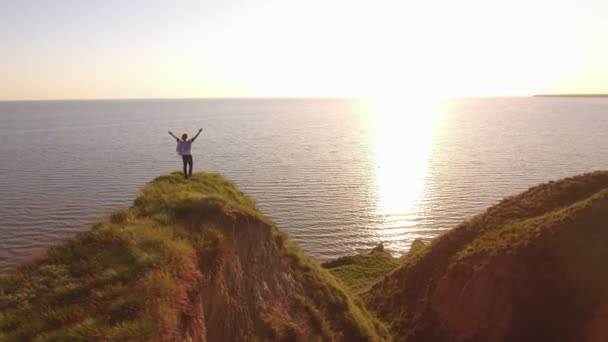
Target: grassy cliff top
{"type": "Point", "coordinates": [136, 275]}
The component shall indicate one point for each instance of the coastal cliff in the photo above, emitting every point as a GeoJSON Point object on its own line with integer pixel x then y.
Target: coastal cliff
{"type": "Point", "coordinates": [531, 268]}
{"type": "Point", "coordinates": [191, 260]}
{"type": "Point", "coordinates": [194, 260]}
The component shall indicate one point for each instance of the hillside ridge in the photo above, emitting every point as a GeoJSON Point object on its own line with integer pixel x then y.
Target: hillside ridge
{"type": "Point", "coordinates": [191, 260]}
{"type": "Point", "coordinates": [528, 269]}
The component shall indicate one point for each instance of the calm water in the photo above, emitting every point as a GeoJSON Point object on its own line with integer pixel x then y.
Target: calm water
{"type": "Point", "coordinates": [338, 176]}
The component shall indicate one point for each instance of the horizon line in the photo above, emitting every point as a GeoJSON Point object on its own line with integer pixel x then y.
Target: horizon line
{"type": "Point", "coordinates": [260, 98]}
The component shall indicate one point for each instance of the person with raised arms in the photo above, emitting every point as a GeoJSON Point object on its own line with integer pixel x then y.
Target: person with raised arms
{"type": "Point", "coordinates": [184, 147]}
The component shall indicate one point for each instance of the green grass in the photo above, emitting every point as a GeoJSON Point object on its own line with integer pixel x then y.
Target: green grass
{"type": "Point", "coordinates": [329, 294]}
{"type": "Point", "coordinates": [525, 231]}
{"type": "Point", "coordinates": [359, 272]}
{"type": "Point", "coordinates": [130, 277]}
{"type": "Point", "coordinates": [98, 284]}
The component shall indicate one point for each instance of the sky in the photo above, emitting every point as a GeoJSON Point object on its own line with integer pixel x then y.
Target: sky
{"type": "Point", "coordinates": [84, 49]}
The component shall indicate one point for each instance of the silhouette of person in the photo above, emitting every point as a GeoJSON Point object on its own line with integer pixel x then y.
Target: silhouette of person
{"type": "Point", "coordinates": [184, 147]}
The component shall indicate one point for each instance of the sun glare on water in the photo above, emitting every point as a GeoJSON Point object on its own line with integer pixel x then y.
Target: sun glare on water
{"type": "Point", "coordinates": [403, 140]}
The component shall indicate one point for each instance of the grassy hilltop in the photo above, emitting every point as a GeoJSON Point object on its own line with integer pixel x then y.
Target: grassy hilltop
{"type": "Point", "coordinates": [191, 259]}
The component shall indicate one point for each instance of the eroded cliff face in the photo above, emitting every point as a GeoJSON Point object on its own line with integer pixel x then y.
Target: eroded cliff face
{"type": "Point", "coordinates": [192, 260]}
{"type": "Point", "coordinates": [251, 286]}
{"type": "Point", "coordinates": [531, 268]}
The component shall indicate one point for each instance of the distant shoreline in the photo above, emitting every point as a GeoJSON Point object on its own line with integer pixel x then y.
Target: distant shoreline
{"type": "Point", "coordinates": [571, 95]}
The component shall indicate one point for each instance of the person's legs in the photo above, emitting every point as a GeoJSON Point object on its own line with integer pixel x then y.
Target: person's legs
{"type": "Point", "coordinates": [185, 160]}
{"type": "Point", "coordinates": [190, 162]}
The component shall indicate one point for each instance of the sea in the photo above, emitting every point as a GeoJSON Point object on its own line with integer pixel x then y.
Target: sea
{"type": "Point", "coordinates": [339, 176]}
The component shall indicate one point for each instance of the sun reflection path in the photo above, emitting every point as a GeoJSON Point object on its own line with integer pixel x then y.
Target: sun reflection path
{"type": "Point", "coordinates": [403, 140]}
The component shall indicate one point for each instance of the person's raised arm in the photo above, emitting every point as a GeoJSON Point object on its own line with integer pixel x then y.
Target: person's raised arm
{"type": "Point", "coordinates": [171, 134]}
{"type": "Point", "coordinates": [196, 136]}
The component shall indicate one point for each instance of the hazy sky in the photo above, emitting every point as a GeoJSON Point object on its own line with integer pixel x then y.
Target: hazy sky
{"type": "Point", "coordinates": [224, 48]}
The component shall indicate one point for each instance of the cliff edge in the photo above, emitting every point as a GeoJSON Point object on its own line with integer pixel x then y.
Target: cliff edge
{"type": "Point", "coordinates": [191, 260]}
{"type": "Point", "coordinates": [531, 268]}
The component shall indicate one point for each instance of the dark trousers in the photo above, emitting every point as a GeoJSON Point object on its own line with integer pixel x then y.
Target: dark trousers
{"type": "Point", "coordinates": [187, 162]}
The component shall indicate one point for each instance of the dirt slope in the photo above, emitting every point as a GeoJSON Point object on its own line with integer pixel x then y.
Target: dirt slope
{"type": "Point", "coordinates": [531, 268]}
{"type": "Point", "coordinates": [252, 286]}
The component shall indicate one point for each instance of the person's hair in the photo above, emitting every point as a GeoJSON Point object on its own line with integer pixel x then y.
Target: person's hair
{"type": "Point", "coordinates": [184, 136]}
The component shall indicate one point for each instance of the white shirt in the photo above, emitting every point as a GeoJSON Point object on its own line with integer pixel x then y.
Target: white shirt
{"type": "Point", "coordinates": [183, 147]}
